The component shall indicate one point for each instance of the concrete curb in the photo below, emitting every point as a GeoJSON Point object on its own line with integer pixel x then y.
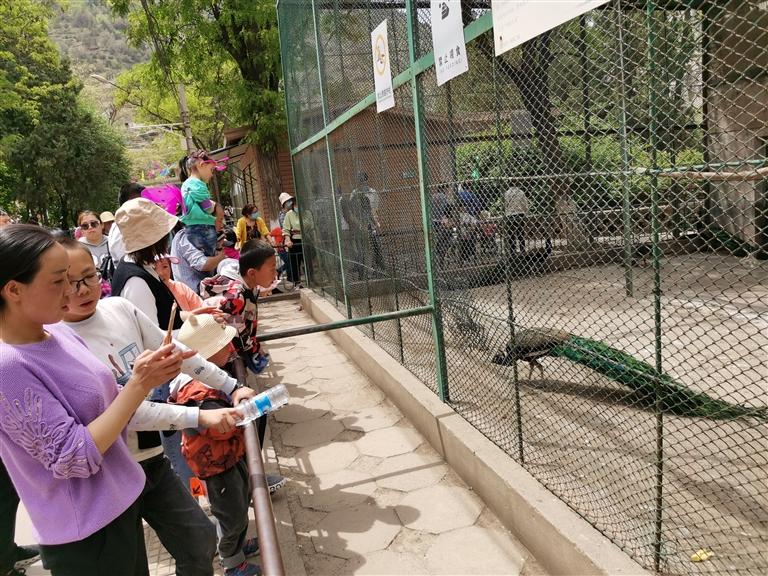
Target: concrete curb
{"type": "Point", "coordinates": [560, 540]}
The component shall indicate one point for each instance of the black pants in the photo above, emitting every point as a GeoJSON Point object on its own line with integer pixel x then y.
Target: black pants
{"type": "Point", "coordinates": [230, 497]}
{"type": "Point", "coordinates": [9, 504]}
{"type": "Point", "coordinates": [181, 525]}
{"type": "Point", "coordinates": [514, 232]}
{"type": "Point", "coordinates": [295, 259]}
{"type": "Point", "coordinates": [115, 550]}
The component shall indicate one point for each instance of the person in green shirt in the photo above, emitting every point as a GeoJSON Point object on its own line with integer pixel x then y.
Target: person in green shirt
{"type": "Point", "coordinates": [198, 210]}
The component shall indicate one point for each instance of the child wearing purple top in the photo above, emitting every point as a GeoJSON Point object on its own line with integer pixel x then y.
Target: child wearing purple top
{"type": "Point", "coordinates": [62, 420]}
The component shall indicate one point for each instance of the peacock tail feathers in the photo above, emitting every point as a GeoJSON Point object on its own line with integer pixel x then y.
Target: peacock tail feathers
{"type": "Point", "coordinates": [644, 379]}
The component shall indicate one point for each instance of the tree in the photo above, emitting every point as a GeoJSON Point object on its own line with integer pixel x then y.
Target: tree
{"type": "Point", "coordinates": [56, 156]}
{"type": "Point", "coordinates": [226, 51]}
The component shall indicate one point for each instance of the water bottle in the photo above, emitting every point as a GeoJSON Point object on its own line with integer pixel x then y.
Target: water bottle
{"type": "Point", "coordinates": [268, 401]}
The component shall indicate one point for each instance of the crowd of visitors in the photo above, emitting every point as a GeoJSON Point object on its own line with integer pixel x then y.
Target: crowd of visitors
{"type": "Point", "coordinates": [103, 420]}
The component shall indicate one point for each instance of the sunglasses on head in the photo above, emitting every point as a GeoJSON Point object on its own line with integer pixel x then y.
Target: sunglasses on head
{"type": "Point", "coordinates": [90, 224]}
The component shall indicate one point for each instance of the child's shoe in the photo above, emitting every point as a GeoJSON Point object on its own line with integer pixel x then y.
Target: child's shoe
{"type": "Point", "coordinates": [244, 569]}
{"type": "Point", "coordinates": [251, 547]}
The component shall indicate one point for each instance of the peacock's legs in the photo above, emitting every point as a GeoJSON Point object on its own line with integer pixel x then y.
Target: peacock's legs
{"type": "Point", "coordinates": [535, 364]}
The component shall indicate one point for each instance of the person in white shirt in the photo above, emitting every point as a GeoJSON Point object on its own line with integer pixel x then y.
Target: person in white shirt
{"type": "Point", "coordinates": [117, 332]}
{"type": "Point", "coordinates": [516, 209]}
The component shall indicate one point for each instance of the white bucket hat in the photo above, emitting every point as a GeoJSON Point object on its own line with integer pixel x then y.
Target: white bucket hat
{"type": "Point", "coordinates": [201, 332]}
{"type": "Point", "coordinates": [142, 223]}
{"type": "Point", "coordinates": [284, 197]}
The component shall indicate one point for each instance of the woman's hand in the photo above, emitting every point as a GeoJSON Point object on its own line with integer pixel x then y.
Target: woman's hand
{"type": "Point", "coordinates": [155, 367]}
{"type": "Point", "coordinates": [222, 420]}
{"type": "Point", "coordinates": [287, 242]}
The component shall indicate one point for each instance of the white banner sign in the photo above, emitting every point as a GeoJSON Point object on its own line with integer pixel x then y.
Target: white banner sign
{"type": "Point", "coordinates": [448, 40]}
{"type": "Point", "coordinates": [382, 74]}
{"type": "Point", "coordinates": [517, 21]}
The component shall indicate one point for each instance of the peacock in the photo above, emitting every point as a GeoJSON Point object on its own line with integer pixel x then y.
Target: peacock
{"type": "Point", "coordinates": [532, 344]}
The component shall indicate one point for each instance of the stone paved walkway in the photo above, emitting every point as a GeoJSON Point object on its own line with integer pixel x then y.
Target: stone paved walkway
{"type": "Point", "coordinates": [367, 494]}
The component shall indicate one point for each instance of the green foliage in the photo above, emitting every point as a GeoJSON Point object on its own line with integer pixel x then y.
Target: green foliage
{"type": "Point", "coordinates": [225, 52]}
{"type": "Point", "coordinates": [56, 156]}
{"type": "Point", "coordinates": [93, 39]}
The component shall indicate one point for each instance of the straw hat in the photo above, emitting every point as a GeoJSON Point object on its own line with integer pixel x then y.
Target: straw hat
{"type": "Point", "coordinates": [201, 332]}
{"type": "Point", "coordinates": [142, 223]}
{"type": "Point", "coordinates": [106, 217]}
{"type": "Point", "coordinates": [284, 197]}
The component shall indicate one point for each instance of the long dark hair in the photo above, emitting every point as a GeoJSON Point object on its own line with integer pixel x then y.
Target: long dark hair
{"type": "Point", "coordinates": [21, 247]}
{"type": "Point", "coordinates": [148, 255]}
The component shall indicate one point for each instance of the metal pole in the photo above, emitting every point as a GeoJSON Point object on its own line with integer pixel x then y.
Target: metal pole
{"type": "Point", "coordinates": [655, 233]}
{"type": "Point", "coordinates": [271, 559]}
{"type": "Point", "coordinates": [426, 221]}
{"type": "Point", "coordinates": [314, 328]}
{"type": "Point", "coordinates": [629, 284]}
{"type": "Point", "coordinates": [505, 255]}
{"type": "Point", "coordinates": [337, 222]}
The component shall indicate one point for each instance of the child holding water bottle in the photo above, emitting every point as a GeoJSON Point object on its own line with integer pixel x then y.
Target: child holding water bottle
{"type": "Point", "coordinates": [214, 456]}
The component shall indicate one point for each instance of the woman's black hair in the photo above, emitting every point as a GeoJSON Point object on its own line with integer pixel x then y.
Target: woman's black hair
{"type": "Point", "coordinates": [183, 173]}
{"type": "Point", "coordinates": [21, 247]}
{"type": "Point", "coordinates": [248, 209]}
{"type": "Point", "coordinates": [129, 192]}
{"type": "Point", "coordinates": [253, 254]}
{"type": "Point", "coordinates": [147, 256]}
{"type": "Point", "coordinates": [72, 244]}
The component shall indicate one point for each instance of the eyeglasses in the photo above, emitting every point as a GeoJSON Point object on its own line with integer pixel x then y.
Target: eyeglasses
{"type": "Point", "coordinates": [91, 224]}
{"type": "Point", "coordinates": [89, 281]}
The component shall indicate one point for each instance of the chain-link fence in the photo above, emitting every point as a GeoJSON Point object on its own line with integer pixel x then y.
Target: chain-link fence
{"type": "Point", "coordinates": [588, 214]}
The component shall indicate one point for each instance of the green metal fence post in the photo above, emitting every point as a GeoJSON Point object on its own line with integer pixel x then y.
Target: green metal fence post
{"type": "Point", "coordinates": [655, 237]}
{"type": "Point", "coordinates": [328, 152]}
{"type": "Point", "coordinates": [505, 254]}
{"type": "Point", "coordinates": [426, 220]}
{"type": "Point", "coordinates": [629, 284]}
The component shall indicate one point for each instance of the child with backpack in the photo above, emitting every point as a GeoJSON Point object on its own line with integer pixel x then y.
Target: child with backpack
{"type": "Point", "coordinates": [215, 456]}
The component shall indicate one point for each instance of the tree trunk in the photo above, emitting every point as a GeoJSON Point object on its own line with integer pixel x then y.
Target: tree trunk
{"type": "Point", "coordinates": [271, 185]}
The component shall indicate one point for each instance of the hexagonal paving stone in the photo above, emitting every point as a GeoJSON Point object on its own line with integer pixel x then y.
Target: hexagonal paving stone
{"type": "Point", "coordinates": [335, 371]}
{"type": "Point", "coordinates": [370, 419]}
{"type": "Point", "coordinates": [295, 413]}
{"type": "Point", "coordinates": [389, 442]}
{"type": "Point", "coordinates": [475, 550]}
{"type": "Point", "coordinates": [361, 530]}
{"type": "Point", "coordinates": [294, 378]}
{"type": "Point", "coordinates": [356, 399]}
{"type": "Point", "coordinates": [385, 562]}
{"type": "Point", "coordinates": [318, 431]}
{"type": "Point", "coordinates": [440, 509]}
{"type": "Point", "coordinates": [409, 472]}
{"type": "Point", "coordinates": [337, 385]}
{"type": "Point", "coordinates": [325, 459]}
{"type": "Point", "coordinates": [337, 490]}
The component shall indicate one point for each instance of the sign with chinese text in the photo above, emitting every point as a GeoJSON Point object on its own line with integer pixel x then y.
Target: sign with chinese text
{"type": "Point", "coordinates": [448, 40]}
{"type": "Point", "coordinates": [382, 73]}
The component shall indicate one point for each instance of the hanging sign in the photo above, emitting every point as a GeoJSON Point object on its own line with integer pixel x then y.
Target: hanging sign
{"type": "Point", "coordinates": [382, 74]}
{"type": "Point", "coordinates": [517, 21]}
{"type": "Point", "coordinates": [448, 40]}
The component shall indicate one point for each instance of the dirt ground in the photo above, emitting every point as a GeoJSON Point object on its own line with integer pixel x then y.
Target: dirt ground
{"type": "Point", "coordinates": [586, 437]}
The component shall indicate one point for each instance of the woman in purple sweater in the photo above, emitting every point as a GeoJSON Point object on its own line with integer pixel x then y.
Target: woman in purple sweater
{"type": "Point", "coordinates": [62, 419]}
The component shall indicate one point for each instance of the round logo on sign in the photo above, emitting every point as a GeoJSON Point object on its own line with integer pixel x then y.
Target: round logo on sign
{"type": "Point", "coordinates": [380, 55]}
